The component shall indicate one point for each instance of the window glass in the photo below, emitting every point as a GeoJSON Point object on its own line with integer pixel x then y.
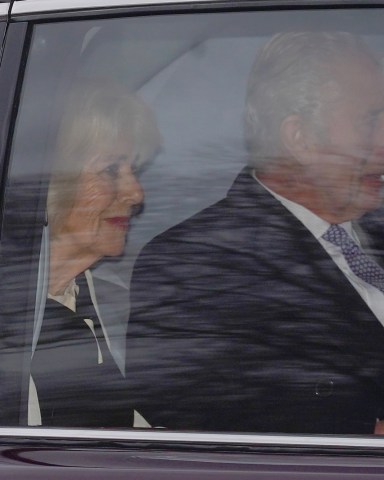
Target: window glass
{"type": "Point", "coordinates": [195, 223]}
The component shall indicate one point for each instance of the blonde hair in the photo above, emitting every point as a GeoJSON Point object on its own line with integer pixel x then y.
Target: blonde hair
{"type": "Point", "coordinates": [97, 114]}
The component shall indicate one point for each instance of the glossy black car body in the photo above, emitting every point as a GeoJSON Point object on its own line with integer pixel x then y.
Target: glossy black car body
{"type": "Point", "coordinates": [190, 456]}
{"type": "Point", "coordinates": [143, 454]}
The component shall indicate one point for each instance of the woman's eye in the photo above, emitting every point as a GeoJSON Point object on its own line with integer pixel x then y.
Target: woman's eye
{"type": "Point", "coordinates": [112, 170]}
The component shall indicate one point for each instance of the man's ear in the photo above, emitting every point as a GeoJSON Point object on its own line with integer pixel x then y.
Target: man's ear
{"type": "Point", "coordinates": [292, 136]}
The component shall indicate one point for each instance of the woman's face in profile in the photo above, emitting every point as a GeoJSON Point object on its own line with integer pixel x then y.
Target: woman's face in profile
{"type": "Point", "coordinates": [106, 192]}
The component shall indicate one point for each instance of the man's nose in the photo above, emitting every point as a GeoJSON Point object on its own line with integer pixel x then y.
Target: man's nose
{"type": "Point", "coordinates": [378, 155]}
{"type": "Point", "coordinates": [129, 188]}
{"type": "Point", "coordinates": [378, 134]}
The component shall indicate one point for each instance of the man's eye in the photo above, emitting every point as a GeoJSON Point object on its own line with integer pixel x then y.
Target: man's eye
{"type": "Point", "coordinates": [137, 166]}
{"type": "Point", "coordinates": [112, 170]}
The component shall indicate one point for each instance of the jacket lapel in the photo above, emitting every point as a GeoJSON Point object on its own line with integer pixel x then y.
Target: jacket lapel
{"type": "Point", "coordinates": [308, 265]}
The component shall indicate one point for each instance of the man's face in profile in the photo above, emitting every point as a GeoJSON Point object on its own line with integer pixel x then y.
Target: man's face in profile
{"type": "Point", "coordinates": [345, 165]}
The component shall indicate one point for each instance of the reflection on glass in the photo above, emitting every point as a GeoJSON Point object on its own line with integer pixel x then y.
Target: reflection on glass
{"type": "Point", "coordinates": [104, 138]}
{"type": "Point", "coordinates": [248, 316]}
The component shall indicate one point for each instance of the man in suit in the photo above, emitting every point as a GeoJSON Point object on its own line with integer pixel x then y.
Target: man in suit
{"type": "Point", "coordinates": [251, 315]}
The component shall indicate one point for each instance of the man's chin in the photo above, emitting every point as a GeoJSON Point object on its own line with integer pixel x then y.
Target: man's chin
{"type": "Point", "coordinates": [371, 202]}
{"type": "Point", "coordinates": [355, 208]}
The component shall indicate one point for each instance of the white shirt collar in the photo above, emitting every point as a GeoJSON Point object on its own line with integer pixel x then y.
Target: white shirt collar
{"type": "Point", "coordinates": [316, 225]}
{"type": "Point", "coordinates": [68, 298]}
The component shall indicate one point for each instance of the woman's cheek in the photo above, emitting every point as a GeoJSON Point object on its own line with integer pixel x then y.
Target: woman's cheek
{"type": "Point", "coordinates": [97, 196]}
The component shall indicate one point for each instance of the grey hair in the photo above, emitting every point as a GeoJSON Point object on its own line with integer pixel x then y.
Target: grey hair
{"type": "Point", "coordinates": [97, 114]}
{"type": "Point", "coordinates": [287, 78]}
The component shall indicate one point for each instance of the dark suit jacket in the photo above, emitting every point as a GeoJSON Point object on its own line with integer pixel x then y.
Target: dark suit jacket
{"type": "Point", "coordinates": [241, 321]}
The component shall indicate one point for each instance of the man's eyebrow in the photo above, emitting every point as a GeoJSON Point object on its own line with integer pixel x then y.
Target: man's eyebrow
{"type": "Point", "coordinates": [122, 158]}
{"type": "Point", "coordinates": [378, 111]}
{"type": "Point", "coordinates": [116, 158]}
{"type": "Point", "coordinates": [374, 113]}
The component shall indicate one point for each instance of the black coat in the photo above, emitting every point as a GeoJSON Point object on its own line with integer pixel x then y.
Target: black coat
{"type": "Point", "coordinates": [241, 321]}
{"type": "Point", "coordinates": [73, 389]}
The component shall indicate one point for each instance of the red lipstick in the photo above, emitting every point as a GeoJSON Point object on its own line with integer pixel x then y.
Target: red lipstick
{"type": "Point", "coordinates": [119, 222]}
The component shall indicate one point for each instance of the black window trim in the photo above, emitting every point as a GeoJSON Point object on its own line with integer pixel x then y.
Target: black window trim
{"type": "Point", "coordinates": [15, 50]}
{"type": "Point", "coordinates": [63, 10]}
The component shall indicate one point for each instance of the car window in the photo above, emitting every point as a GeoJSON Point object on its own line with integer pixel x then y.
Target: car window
{"type": "Point", "coordinates": [194, 224]}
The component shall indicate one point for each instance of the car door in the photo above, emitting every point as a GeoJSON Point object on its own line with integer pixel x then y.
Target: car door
{"type": "Point", "coordinates": [188, 62]}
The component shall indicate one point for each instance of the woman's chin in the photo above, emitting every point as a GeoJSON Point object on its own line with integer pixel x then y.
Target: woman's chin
{"type": "Point", "coordinates": [114, 250]}
{"type": "Point", "coordinates": [115, 253]}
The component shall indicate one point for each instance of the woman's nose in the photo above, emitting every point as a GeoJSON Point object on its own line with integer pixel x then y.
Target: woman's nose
{"type": "Point", "coordinates": [130, 189]}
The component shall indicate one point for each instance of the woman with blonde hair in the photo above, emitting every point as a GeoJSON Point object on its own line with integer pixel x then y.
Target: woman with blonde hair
{"type": "Point", "coordinates": [104, 138]}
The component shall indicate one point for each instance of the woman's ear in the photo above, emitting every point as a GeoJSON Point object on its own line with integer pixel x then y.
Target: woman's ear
{"type": "Point", "coordinates": [293, 137]}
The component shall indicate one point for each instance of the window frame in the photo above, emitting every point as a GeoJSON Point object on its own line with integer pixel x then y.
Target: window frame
{"type": "Point", "coordinates": [23, 18]}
